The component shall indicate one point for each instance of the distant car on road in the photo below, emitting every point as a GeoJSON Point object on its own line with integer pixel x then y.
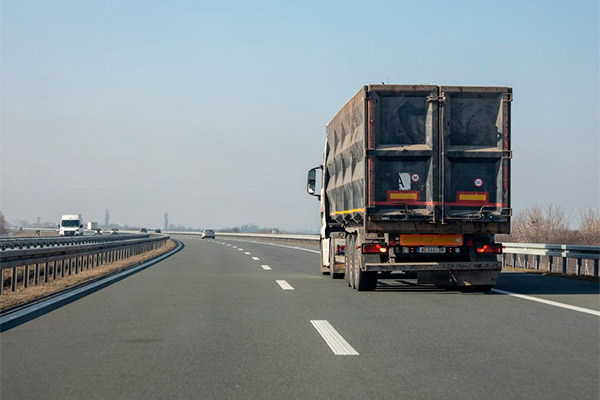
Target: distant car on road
{"type": "Point", "coordinates": [143, 230]}
{"type": "Point", "coordinates": [98, 232]}
{"type": "Point", "coordinates": [157, 231]}
{"type": "Point", "coordinates": [208, 234]}
{"type": "Point", "coordinates": [114, 231]}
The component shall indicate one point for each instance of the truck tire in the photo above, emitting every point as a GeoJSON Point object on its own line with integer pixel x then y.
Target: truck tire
{"type": "Point", "coordinates": [348, 263]}
{"type": "Point", "coordinates": [352, 258]}
{"type": "Point", "coordinates": [363, 281]}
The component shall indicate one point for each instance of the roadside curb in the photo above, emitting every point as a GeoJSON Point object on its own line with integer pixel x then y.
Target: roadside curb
{"type": "Point", "coordinates": [22, 315]}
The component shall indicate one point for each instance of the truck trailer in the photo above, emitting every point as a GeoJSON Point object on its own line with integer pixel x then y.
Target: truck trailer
{"type": "Point", "coordinates": [92, 225]}
{"type": "Point", "coordinates": [416, 179]}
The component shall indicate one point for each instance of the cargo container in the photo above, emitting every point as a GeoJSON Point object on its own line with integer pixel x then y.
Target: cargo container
{"type": "Point", "coordinates": [416, 179]}
{"type": "Point", "coordinates": [92, 225]}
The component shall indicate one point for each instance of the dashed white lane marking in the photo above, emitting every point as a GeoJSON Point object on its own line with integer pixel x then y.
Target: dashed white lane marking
{"type": "Point", "coordinates": [284, 285]}
{"type": "Point", "coordinates": [280, 245]}
{"type": "Point", "coordinates": [247, 252]}
{"type": "Point", "coordinates": [334, 340]}
{"type": "Point", "coordinates": [228, 245]}
{"type": "Point", "coordinates": [266, 267]}
{"type": "Point", "coordinates": [241, 249]}
{"type": "Point", "coordinates": [235, 247]}
{"type": "Point", "coordinates": [549, 302]}
{"type": "Point", "coordinates": [255, 258]}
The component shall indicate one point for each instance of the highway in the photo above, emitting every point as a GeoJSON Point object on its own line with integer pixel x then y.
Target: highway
{"type": "Point", "coordinates": [236, 319]}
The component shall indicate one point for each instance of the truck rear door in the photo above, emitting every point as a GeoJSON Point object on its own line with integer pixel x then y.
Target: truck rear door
{"type": "Point", "coordinates": [475, 153]}
{"type": "Point", "coordinates": [402, 151]}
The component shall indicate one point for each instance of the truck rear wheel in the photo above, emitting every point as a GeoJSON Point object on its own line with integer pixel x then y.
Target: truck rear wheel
{"type": "Point", "coordinates": [364, 281]}
{"type": "Point", "coordinates": [349, 259]}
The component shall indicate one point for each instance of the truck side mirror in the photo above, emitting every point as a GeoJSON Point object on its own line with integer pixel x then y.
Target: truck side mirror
{"type": "Point", "coordinates": [311, 185]}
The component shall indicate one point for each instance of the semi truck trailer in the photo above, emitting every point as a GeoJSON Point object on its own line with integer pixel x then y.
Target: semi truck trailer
{"type": "Point", "coordinates": [415, 179]}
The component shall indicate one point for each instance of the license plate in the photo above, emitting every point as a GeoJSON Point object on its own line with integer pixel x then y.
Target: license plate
{"type": "Point", "coordinates": [431, 250]}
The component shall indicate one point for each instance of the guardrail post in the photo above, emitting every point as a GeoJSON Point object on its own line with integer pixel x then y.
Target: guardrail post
{"type": "Point", "coordinates": [36, 278]}
{"type": "Point", "coordinates": [62, 268]}
{"type": "Point", "coordinates": [537, 262]}
{"type": "Point", "coordinates": [595, 268]}
{"type": "Point", "coordinates": [26, 277]}
{"type": "Point", "coordinates": [564, 265]}
{"type": "Point", "coordinates": [13, 280]}
{"type": "Point", "coordinates": [578, 266]}
{"type": "Point", "coordinates": [54, 271]}
{"type": "Point", "coordinates": [46, 273]}
{"type": "Point", "coordinates": [550, 261]}
{"type": "Point", "coordinates": [70, 266]}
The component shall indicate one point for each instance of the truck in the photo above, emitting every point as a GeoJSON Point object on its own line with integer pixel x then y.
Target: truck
{"type": "Point", "coordinates": [92, 225]}
{"type": "Point", "coordinates": [415, 180]}
{"type": "Point", "coordinates": [71, 225]}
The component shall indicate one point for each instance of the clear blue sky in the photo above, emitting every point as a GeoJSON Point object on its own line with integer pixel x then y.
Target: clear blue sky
{"type": "Point", "coordinates": [213, 111]}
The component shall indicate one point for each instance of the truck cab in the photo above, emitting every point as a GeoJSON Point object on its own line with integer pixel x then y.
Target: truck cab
{"type": "Point", "coordinates": [71, 225]}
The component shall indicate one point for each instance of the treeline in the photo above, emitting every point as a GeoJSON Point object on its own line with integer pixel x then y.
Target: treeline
{"type": "Point", "coordinates": [550, 224]}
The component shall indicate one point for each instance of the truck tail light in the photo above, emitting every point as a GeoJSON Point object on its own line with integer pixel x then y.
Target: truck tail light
{"type": "Point", "coordinates": [490, 248]}
{"type": "Point", "coordinates": [340, 250]}
{"type": "Point", "coordinates": [374, 248]}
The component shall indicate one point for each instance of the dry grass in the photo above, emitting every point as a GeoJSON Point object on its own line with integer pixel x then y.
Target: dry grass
{"type": "Point", "coordinates": [22, 295]}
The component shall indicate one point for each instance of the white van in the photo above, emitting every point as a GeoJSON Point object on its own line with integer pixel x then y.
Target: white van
{"type": "Point", "coordinates": [71, 225]}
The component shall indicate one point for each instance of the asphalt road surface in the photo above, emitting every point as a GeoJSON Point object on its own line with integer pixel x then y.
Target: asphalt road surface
{"type": "Point", "coordinates": [233, 319]}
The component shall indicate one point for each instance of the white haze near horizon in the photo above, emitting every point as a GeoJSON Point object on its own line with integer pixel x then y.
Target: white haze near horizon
{"type": "Point", "coordinates": [214, 112]}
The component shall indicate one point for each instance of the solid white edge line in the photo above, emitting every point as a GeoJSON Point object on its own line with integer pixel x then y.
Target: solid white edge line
{"type": "Point", "coordinates": [334, 340]}
{"type": "Point", "coordinates": [549, 302]}
{"type": "Point", "coordinates": [284, 285]}
{"type": "Point", "coordinates": [266, 267]}
{"type": "Point", "coordinates": [255, 258]}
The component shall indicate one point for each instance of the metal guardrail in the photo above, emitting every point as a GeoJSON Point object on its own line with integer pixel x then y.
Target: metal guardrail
{"type": "Point", "coordinates": [68, 260]}
{"type": "Point", "coordinates": [574, 259]}
{"type": "Point", "coordinates": [32, 242]}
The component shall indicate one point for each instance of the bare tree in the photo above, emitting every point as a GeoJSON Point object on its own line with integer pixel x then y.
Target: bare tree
{"type": "Point", "coordinates": [589, 227]}
{"type": "Point", "coordinates": [541, 225]}
{"type": "Point", "coordinates": [3, 224]}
